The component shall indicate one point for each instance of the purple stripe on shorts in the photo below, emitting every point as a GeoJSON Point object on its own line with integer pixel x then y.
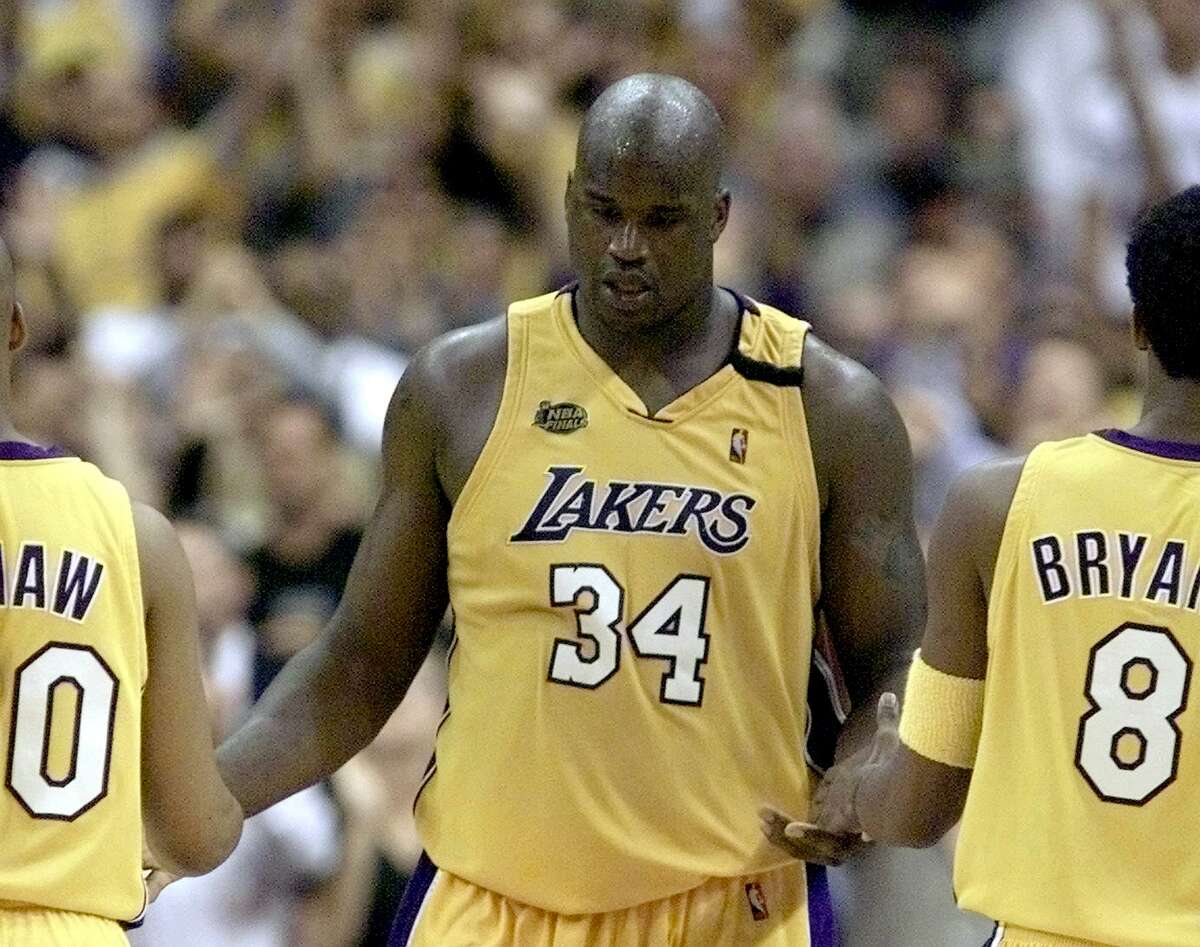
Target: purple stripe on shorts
{"type": "Point", "coordinates": [21, 450]}
{"type": "Point", "coordinates": [1172, 450]}
{"type": "Point", "coordinates": [410, 904]}
{"type": "Point", "coordinates": [822, 927]}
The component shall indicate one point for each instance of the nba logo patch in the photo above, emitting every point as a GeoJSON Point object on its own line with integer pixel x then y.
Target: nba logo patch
{"type": "Point", "coordinates": [758, 901]}
{"type": "Point", "coordinates": [739, 444]}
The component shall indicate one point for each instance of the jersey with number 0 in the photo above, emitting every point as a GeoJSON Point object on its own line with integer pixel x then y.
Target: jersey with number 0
{"type": "Point", "coordinates": [633, 600]}
{"type": "Point", "coordinates": [72, 666]}
{"type": "Point", "coordinates": [1084, 807]}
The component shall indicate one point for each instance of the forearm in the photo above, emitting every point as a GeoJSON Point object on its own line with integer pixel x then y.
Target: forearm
{"type": "Point", "coordinates": [1153, 145]}
{"type": "Point", "coordinates": [211, 841]}
{"type": "Point", "coordinates": [909, 801]}
{"type": "Point", "coordinates": [320, 711]}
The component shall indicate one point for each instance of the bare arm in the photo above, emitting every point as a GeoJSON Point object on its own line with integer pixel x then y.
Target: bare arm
{"type": "Point", "coordinates": [333, 697]}
{"type": "Point", "coordinates": [909, 799]}
{"type": "Point", "coordinates": [1159, 183]}
{"type": "Point", "coordinates": [872, 570]}
{"type": "Point", "coordinates": [192, 822]}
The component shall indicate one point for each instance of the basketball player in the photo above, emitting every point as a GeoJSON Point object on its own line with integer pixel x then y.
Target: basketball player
{"type": "Point", "coordinates": [635, 493]}
{"type": "Point", "coordinates": [1051, 692]}
{"type": "Point", "coordinates": [101, 706]}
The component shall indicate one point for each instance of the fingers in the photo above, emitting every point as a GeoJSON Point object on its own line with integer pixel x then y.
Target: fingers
{"type": "Point", "coordinates": [156, 881]}
{"type": "Point", "coordinates": [807, 842]}
{"type": "Point", "coordinates": [887, 714]}
{"type": "Point", "coordinates": [887, 733]}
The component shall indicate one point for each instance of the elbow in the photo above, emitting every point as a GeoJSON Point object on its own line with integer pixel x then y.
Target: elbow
{"type": "Point", "coordinates": [199, 852]}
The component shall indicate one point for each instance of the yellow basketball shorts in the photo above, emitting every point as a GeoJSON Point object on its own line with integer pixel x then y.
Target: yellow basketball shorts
{"type": "Point", "coordinates": [780, 908]}
{"type": "Point", "coordinates": [39, 927]}
{"type": "Point", "coordinates": [1007, 936]}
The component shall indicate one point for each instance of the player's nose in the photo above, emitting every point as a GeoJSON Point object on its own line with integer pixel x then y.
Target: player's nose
{"type": "Point", "coordinates": [628, 245]}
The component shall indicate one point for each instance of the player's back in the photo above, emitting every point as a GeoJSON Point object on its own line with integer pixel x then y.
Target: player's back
{"type": "Point", "coordinates": [72, 668]}
{"type": "Point", "coordinates": [1084, 805]}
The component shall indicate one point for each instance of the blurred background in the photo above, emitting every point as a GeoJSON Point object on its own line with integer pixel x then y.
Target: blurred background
{"type": "Point", "coordinates": [233, 221]}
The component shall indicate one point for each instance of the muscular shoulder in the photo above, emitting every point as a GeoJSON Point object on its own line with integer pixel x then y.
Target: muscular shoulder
{"type": "Point", "coordinates": [976, 510]}
{"type": "Point", "coordinates": [455, 365]}
{"type": "Point", "coordinates": [853, 425]}
{"type": "Point", "coordinates": [448, 400]}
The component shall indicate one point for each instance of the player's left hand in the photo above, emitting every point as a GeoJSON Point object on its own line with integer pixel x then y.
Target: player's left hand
{"type": "Point", "coordinates": [834, 832]}
{"type": "Point", "coordinates": [808, 842]}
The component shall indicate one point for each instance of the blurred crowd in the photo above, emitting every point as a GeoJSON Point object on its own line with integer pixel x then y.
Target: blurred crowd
{"type": "Point", "coordinates": [233, 221]}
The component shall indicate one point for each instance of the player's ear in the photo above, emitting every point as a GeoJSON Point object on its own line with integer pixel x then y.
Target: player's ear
{"type": "Point", "coordinates": [720, 213]}
{"type": "Point", "coordinates": [1140, 339]}
{"type": "Point", "coordinates": [16, 328]}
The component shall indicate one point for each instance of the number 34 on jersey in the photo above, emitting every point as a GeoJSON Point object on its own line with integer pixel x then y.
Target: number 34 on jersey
{"type": "Point", "coordinates": [669, 628]}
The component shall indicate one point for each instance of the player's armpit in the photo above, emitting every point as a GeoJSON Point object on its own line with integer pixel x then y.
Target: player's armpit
{"type": "Point", "coordinates": [192, 822]}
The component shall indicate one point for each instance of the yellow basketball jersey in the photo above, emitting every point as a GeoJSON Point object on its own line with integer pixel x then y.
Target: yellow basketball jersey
{"type": "Point", "coordinates": [1084, 806]}
{"type": "Point", "coordinates": [633, 600]}
{"type": "Point", "coordinates": [72, 667]}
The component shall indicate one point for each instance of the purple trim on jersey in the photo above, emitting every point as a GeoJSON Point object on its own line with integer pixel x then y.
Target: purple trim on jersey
{"type": "Point", "coordinates": [822, 926]}
{"type": "Point", "coordinates": [1172, 450]}
{"type": "Point", "coordinates": [415, 893]}
{"type": "Point", "coordinates": [22, 450]}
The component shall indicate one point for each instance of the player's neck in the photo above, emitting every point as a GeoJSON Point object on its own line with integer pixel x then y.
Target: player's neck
{"type": "Point", "coordinates": [664, 361]}
{"type": "Point", "coordinates": [1172, 408]}
{"type": "Point", "coordinates": [7, 431]}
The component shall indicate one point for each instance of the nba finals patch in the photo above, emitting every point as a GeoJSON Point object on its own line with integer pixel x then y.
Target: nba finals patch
{"type": "Point", "coordinates": [561, 418]}
{"type": "Point", "coordinates": [758, 901]}
{"type": "Point", "coordinates": [739, 444]}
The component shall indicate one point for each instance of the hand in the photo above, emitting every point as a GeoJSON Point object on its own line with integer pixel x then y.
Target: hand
{"type": "Point", "coordinates": [835, 833]}
{"type": "Point", "coordinates": [833, 802]}
{"type": "Point", "coordinates": [154, 877]}
{"type": "Point", "coordinates": [807, 842]}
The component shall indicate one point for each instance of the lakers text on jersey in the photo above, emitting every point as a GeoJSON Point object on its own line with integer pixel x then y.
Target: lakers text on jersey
{"type": "Point", "coordinates": [72, 667]}
{"type": "Point", "coordinates": [633, 600]}
{"type": "Point", "coordinates": [1085, 798]}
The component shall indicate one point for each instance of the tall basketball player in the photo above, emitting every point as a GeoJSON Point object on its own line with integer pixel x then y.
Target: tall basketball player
{"type": "Point", "coordinates": [102, 717]}
{"type": "Point", "coordinates": [636, 494]}
{"type": "Point", "coordinates": [1052, 693]}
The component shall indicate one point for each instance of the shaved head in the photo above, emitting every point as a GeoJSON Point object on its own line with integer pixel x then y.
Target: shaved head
{"type": "Point", "coordinates": [645, 203]}
{"type": "Point", "coordinates": [660, 120]}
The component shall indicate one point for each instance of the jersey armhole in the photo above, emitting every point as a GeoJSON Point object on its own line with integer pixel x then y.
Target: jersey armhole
{"type": "Point", "coordinates": [800, 446]}
{"type": "Point", "coordinates": [510, 397]}
{"type": "Point", "coordinates": [1008, 555]}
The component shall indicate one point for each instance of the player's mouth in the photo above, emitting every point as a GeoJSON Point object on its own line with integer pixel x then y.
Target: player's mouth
{"type": "Point", "coordinates": [627, 292]}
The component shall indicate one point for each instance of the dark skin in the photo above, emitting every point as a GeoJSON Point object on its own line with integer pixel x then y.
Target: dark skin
{"type": "Point", "coordinates": [644, 209]}
{"type": "Point", "coordinates": [901, 797]}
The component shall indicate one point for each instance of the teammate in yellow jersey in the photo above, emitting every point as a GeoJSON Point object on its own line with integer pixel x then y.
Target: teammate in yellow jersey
{"type": "Point", "coordinates": [1051, 703]}
{"type": "Point", "coordinates": [102, 721]}
{"type": "Point", "coordinates": [636, 494]}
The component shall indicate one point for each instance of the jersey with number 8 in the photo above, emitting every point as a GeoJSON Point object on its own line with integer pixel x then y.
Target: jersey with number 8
{"type": "Point", "coordinates": [633, 602]}
{"type": "Point", "coordinates": [1093, 633]}
{"type": "Point", "coordinates": [72, 668]}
